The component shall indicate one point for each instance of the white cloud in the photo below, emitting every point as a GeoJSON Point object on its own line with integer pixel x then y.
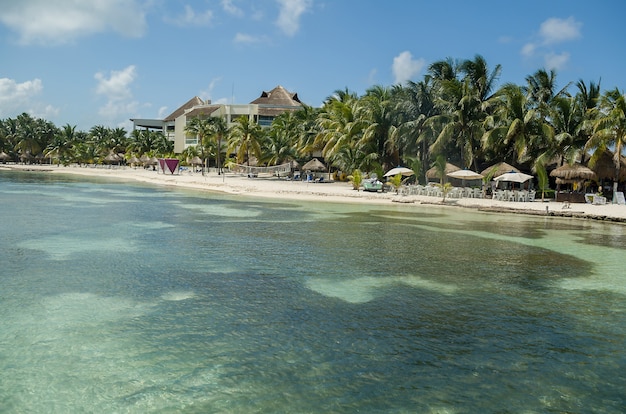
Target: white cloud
{"type": "Point", "coordinates": [208, 93]}
{"type": "Point", "coordinates": [528, 49]}
{"type": "Point", "coordinates": [405, 67]}
{"type": "Point", "coordinates": [190, 17]}
{"type": "Point", "coordinates": [556, 60]}
{"type": "Point", "coordinates": [556, 30]}
{"type": "Point", "coordinates": [16, 98]}
{"type": "Point", "coordinates": [163, 112]}
{"type": "Point", "coordinates": [116, 89]}
{"type": "Point", "coordinates": [553, 31]}
{"type": "Point", "coordinates": [246, 38]}
{"type": "Point", "coordinates": [230, 8]}
{"type": "Point", "coordinates": [62, 21]}
{"type": "Point", "coordinates": [290, 12]}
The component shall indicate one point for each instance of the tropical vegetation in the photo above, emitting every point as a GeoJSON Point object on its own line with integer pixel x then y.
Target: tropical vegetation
{"type": "Point", "coordinates": [456, 113]}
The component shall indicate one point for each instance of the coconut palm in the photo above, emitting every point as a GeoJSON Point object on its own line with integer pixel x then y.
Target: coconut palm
{"type": "Point", "coordinates": [245, 137]}
{"type": "Point", "coordinates": [609, 130]}
{"type": "Point", "coordinates": [279, 144]}
{"type": "Point", "coordinates": [340, 129]}
{"type": "Point", "coordinates": [61, 144]}
{"type": "Point", "coordinates": [375, 109]}
{"type": "Point", "coordinates": [515, 132]}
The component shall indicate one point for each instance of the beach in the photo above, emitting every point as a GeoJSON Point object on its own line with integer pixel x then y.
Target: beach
{"type": "Point", "coordinates": [342, 192]}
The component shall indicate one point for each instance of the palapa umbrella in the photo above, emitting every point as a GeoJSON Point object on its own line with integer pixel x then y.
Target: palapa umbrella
{"type": "Point", "coordinates": [4, 156]}
{"type": "Point", "coordinates": [405, 172]}
{"type": "Point", "coordinates": [604, 167]}
{"type": "Point", "coordinates": [433, 173]}
{"type": "Point", "coordinates": [498, 169]}
{"type": "Point", "coordinates": [314, 165]}
{"type": "Point", "coordinates": [134, 160]}
{"type": "Point", "coordinates": [572, 173]}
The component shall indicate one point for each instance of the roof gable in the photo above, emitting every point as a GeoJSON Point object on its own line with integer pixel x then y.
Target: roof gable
{"type": "Point", "coordinates": [195, 101]}
{"type": "Point", "coordinates": [278, 96]}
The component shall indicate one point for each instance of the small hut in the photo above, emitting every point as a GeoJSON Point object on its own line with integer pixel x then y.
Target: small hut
{"type": "Point", "coordinates": [576, 176]}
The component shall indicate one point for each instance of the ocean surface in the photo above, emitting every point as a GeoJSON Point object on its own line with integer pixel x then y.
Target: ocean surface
{"type": "Point", "coordinates": [124, 298]}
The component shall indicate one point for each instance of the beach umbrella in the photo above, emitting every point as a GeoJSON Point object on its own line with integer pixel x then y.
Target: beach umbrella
{"type": "Point", "coordinates": [196, 161]}
{"type": "Point", "coordinates": [4, 156]}
{"type": "Point", "coordinates": [465, 175]}
{"type": "Point", "coordinates": [134, 160]}
{"type": "Point", "coordinates": [514, 177]}
{"type": "Point", "coordinates": [314, 165]}
{"type": "Point", "coordinates": [405, 172]}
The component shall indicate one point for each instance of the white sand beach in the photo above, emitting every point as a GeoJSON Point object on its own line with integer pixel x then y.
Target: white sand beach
{"type": "Point", "coordinates": [276, 188]}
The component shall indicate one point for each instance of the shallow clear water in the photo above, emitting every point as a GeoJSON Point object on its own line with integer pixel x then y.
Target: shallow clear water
{"type": "Point", "coordinates": [116, 297]}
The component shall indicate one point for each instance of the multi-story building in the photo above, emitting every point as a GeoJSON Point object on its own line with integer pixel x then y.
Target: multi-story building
{"type": "Point", "coordinates": [262, 110]}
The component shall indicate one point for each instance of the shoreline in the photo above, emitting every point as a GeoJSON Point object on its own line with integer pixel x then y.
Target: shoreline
{"type": "Point", "coordinates": [340, 192]}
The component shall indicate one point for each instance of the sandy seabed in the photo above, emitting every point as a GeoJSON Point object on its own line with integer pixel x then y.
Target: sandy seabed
{"type": "Point", "coordinates": [342, 192]}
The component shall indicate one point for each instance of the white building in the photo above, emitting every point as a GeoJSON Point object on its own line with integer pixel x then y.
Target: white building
{"type": "Point", "coordinates": [262, 110]}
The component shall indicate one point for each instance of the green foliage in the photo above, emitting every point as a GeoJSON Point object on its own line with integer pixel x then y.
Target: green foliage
{"type": "Point", "coordinates": [356, 179]}
{"type": "Point", "coordinates": [445, 189]}
{"type": "Point", "coordinates": [395, 181]}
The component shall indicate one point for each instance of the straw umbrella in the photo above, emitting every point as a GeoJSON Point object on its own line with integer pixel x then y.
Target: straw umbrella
{"type": "Point", "coordinates": [433, 173]}
{"type": "Point", "coordinates": [573, 174]}
{"type": "Point", "coordinates": [498, 169]}
{"type": "Point", "coordinates": [604, 167]}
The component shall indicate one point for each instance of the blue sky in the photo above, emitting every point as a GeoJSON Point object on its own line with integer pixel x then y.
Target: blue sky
{"type": "Point", "coordinates": [102, 62]}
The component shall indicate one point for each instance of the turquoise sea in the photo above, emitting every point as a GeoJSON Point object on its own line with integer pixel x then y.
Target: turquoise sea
{"type": "Point", "coordinates": [124, 298]}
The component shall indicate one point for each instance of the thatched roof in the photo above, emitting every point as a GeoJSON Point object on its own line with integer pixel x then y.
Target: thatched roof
{"type": "Point", "coordinates": [195, 101]}
{"type": "Point", "coordinates": [4, 156]}
{"type": "Point", "coordinates": [314, 165]}
{"type": "Point", "coordinates": [278, 96]}
{"type": "Point", "coordinates": [575, 172]}
{"type": "Point", "coordinates": [604, 166]}
{"type": "Point", "coordinates": [498, 169]}
{"type": "Point", "coordinates": [433, 173]}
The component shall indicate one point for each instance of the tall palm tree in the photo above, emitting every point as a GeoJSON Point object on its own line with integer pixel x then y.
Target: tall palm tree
{"type": "Point", "coordinates": [244, 138]}
{"type": "Point", "coordinates": [541, 88]}
{"type": "Point", "coordinates": [375, 109]}
{"type": "Point", "coordinates": [609, 130]}
{"type": "Point", "coordinates": [415, 106]}
{"type": "Point", "coordinates": [339, 128]}
{"type": "Point", "coordinates": [515, 132]}
{"type": "Point", "coordinates": [218, 131]}
{"type": "Point", "coordinates": [201, 128]}
{"type": "Point", "coordinates": [61, 144]}
{"type": "Point", "coordinates": [279, 145]}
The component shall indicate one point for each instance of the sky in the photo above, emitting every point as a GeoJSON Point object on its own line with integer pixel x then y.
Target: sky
{"type": "Point", "coordinates": [104, 62]}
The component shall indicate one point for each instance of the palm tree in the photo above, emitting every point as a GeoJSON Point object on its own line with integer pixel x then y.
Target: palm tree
{"type": "Point", "coordinates": [218, 130]}
{"type": "Point", "coordinates": [609, 130]}
{"type": "Point", "coordinates": [541, 89]}
{"type": "Point", "coordinates": [245, 137]}
{"type": "Point", "coordinates": [415, 105]}
{"type": "Point", "coordinates": [340, 130]}
{"type": "Point", "coordinates": [61, 144]}
{"type": "Point", "coordinates": [202, 129]}
{"type": "Point", "coordinates": [375, 109]}
{"type": "Point", "coordinates": [279, 144]}
{"type": "Point", "coordinates": [515, 132]}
